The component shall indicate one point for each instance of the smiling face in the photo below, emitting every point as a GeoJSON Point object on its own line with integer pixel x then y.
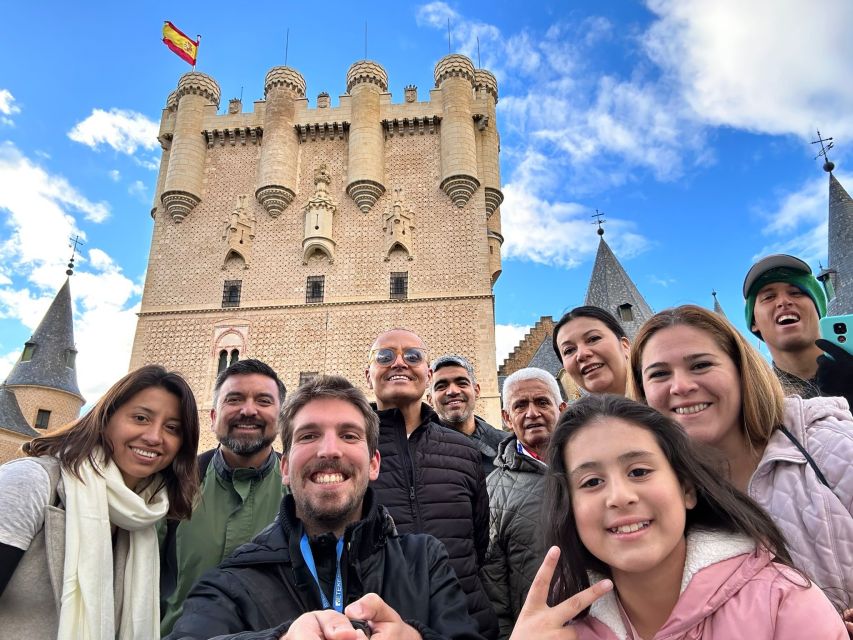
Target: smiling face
{"type": "Point", "coordinates": [786, 318]}
{"type": "Point", "coordinates": [145, 434]}
{"type": "Point", "coordinates": [532, 411]}
{"type": "Point", "coordinates": [453, 395]}
{"type": "Point", "coordinates": [328, 466]}
{"type": "Point", "coordinates": [399, 383]}
{"type": "Point", "coordinates": [245, 417]}
{"type": "Point", "coordinates": [593, 356]}
{"type": "Point", "coordinates": [688, 377]}
{"type": "Point", "coordinates": [628, 505]}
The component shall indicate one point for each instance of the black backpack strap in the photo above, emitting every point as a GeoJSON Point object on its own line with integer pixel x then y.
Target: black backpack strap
{"type": "Point", "coordinates": [168, 548]}
{"type": "Point", "coordinates": [809, 459]}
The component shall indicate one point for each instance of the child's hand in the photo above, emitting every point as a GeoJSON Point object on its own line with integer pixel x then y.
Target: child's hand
{"type": "Point", "coordinates": [848, 621]}
{"type": "Point", "coordinates": [538, 620]}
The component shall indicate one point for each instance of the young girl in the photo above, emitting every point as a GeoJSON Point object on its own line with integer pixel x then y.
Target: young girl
{"type": "Point", "coordinates": [681, 553]}
{"type": "Point", "coordinates": [78, 545]}
{"type": "Point", "coordinates": [791, 456]}
{"type": "Point", "coordinates": [593, 348]}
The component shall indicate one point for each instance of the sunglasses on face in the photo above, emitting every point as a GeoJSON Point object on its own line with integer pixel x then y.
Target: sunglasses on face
{"type": "Point", "coordinates": [386, 357]}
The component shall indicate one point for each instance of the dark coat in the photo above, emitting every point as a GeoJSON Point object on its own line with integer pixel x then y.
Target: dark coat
{"type": "Point", "coordinates": [433, 482]}
{"type": "Point", "coordinates": [516, 541]}
{"type": "Point", "coordinates": [486, 438]}
{"type": "Point", "coordinates": [258, 591]}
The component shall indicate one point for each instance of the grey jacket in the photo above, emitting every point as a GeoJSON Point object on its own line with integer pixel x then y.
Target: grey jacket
{"type": "Point", "coordinates": [487, 439]}
{"type": "Point", "coordinates": [516, 545]}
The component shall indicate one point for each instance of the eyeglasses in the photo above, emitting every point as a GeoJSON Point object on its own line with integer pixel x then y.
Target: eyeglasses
{"type": "Point", "coordinates": [386, 357]}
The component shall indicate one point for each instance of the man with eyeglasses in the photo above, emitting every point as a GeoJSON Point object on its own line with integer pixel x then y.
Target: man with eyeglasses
{"type": "Point", "coordinates": [430, 479]}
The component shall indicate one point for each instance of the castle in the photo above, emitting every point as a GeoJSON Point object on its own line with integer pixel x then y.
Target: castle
{"type": "Point", "coordinates": [295, 235]}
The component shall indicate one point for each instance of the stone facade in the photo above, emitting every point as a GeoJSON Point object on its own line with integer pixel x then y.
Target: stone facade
{"type": "Point", "coordinates": [196, 305]}
{"type": "Point", "coordinates": [10, 445]}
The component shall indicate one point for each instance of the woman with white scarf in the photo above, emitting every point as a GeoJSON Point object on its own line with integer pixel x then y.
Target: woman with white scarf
{"type": "Point", "coordinates": [79, 554]}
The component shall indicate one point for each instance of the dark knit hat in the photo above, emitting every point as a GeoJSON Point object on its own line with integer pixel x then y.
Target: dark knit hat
{"type": "Point", "coordinates": [781, 268]}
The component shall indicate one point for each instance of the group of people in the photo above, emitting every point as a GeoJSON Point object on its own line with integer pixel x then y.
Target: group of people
{"type": "Point", "coordinates": [694, 490]}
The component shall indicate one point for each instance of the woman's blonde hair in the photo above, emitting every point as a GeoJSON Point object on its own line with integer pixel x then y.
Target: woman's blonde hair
{"type": "Point", "coordinates": [761, 392]}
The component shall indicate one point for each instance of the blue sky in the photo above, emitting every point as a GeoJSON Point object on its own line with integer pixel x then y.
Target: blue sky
{"type": "Point", "coordinates": [687, 122]}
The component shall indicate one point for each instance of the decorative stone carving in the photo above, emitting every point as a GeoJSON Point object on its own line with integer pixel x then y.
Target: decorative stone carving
{"type": "Point", "coordinates": [323, 100]}
{"type": "Point", "coordinates": [365, 193]}
{"type": "Point", "coordinates": [460, 188]}
{"type": "Point", "coordinates": [275, 199]}
{"type": "Point", "coordinates": [179, 204]}
{"type": "Point", "coordinates": [319, 217]}
{"type": "Point", "coordinates": [239, 233]}
{"type": "Point", "coordinates": [235, 105]}
{"type": "Point", "coordinates": [410, 93]}
{"type": "Point", "coordinates": [398, 228]}
{"type": "Point", "coordinates": [494, 197]}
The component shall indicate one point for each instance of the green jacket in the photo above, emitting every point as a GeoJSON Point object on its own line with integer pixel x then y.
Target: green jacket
{"type": "Point", "coordinates": [235, 505]}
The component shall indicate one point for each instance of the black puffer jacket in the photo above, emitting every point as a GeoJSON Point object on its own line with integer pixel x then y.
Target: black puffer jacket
{"type": "Point", "coordinates": [258, 591]}
{"type": "Point", "coordinates": [516, 541]}
{"type": "Point", "coordinates": [433, 482]}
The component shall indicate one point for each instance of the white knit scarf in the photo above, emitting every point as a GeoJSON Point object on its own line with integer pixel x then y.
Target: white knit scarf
{"type": "Point", "coordinates": [87, 607]}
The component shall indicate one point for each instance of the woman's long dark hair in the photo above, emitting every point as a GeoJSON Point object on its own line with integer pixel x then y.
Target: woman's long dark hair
{"type": "Point", "coordinates": [719, 505]}
{"type": "Point", "coordinates": [78, 440]}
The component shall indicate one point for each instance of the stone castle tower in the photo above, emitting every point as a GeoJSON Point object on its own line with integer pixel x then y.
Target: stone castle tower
{"type": "Point", "coordinates": [295, 235]}
{"type": "Point", "coordinates": [837, 278]}
{"type": "Point", "coordinates": [40, 393]}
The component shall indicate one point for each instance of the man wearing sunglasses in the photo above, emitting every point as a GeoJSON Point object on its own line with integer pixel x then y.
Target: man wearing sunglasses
{"type": "Point", "coordinates": [430, 480]}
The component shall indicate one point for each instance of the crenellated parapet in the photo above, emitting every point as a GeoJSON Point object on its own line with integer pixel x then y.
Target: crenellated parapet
{"type": "Point", "coordinates": [280, 149]}
{"type": "Point", "coordinates": [454, 75]}
{"type": "Point", "coordinates": [182, 188]}
{"type": "Point", "coordinates": [366, 82]}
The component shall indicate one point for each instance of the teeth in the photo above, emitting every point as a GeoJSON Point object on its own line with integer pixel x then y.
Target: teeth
{"type": "Point", "coordinates": [787, 317]}
{"type": "Point", "coordinates": [592, 367]}
{"type": "Point", "coordinates": [630, 528]}
{"type": "Point", "coordinates": [398, 378]}
{"type": "Point", "coordinates": [328, 478]}
{"type": "Point", "coordinates": [143, 452]}
{"type": "Point", "coordinates": [696, 408]}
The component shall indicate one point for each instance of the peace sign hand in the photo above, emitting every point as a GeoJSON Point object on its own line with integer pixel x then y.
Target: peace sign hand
{"type": "Point", "coordinates": [538, 620]}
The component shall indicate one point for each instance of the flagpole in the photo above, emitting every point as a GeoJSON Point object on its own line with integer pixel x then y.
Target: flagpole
{"type": "Point", "coordinates": [197, 47]}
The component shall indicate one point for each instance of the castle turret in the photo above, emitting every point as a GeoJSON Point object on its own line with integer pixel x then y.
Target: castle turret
{"type": "Point", "coordinates": [280, 150]}
{"type": "Point", "coordinates": [44, 379]}
{"type": "Point", "coordinates": [454, 75]}
{"type": "Point", "coordinates": [840, 278]}
{"type": "Point", "coordinates": [488, 163]}
{"type": "Point", "coordinates": [182, 189]}
{"type": "Point", "coordinates": [366, 82]}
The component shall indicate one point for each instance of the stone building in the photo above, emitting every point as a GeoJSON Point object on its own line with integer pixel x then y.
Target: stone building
{"type": "Point", "coordinates": [296, 234]}
{"type": "Point", "coordinates": [41, 393]}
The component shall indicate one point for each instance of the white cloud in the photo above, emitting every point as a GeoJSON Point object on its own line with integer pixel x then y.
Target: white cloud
{"type": "Point", "coordinates": [38, 210]}
{"type": "Point", "coordinates": [115, 175]}
{"type": "Point", "coordinates": [139, 190]}
{"type": "Point", "coordinates": [507, 337]}
{"type": "Point", "coordinates": [123, 130]}
{"type": "Point", "coordinates": [663, 282]}
{"type": "Point", "coordinates": [770, 66]}
{"type": "Point", "coordinates": [8, 107]}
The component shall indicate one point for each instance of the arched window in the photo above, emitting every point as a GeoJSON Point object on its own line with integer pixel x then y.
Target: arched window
{"type": "Point", "coordinates": [626, 312]}
{"type": "Point", "coordinates": [235, 356]}
{"type": "Point", "coordinates": [223, 362]}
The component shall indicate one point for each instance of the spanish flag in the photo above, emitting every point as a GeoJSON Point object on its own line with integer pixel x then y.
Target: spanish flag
{"type": "Point", "coordinates": [178, 42]}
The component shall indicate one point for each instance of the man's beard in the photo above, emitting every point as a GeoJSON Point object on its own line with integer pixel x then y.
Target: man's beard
{"type": "Point", "coordinates": [246, 444]}
{"type": "Point", "coordinates": [328, 519]}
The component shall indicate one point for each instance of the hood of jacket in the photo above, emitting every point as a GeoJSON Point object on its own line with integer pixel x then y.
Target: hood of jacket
{"type": "Point", "coordinates": [709, 590]}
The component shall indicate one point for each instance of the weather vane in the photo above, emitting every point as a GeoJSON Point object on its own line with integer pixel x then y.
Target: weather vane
{"type": "Point", "coordinates": [599, 221]}
{"type": "Point", "coordinates": [828, 165]}
{"type": "Point", "coordinates": [75, 241]}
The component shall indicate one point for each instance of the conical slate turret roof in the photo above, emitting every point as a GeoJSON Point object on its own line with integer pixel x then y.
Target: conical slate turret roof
{"type": "Point", "coordinates": [51, 363]}
{"type": "Point", "coordinates": [718, 309]}
{"type": "Point", "coordinates": [11, 418]}
{"type": "Point", "coordinates": [610, 288]}
{"type": "Point", "coordinates": [840, 247]}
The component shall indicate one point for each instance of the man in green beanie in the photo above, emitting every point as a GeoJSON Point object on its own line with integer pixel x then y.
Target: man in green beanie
{"type": "Point", "coordinates": [784, 303]}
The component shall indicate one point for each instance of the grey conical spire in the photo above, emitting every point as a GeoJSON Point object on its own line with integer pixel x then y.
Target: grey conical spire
{"type": "Point", "coordinates": [11, 418]}
{"type": "Point", "coordinates": [48, 359]}
{"type": "Point", "coordinates": [718, 309]}
{"type": "Point", "coordinates": [610, 288]}
{"type": "Point", "coordinates": [840, 247]}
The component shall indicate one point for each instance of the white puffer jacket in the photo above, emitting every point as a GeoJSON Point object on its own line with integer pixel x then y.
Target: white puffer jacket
{"type": "Point", "coordinates": [817, 521]}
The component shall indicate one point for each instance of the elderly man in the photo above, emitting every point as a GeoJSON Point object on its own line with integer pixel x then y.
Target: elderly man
{"type": "Point", "coordinates": [431, 479]}
{"type": "Point", "coordinates": [240, 482]}
{"type": "Point", "coordinates": [784, 303]}
{"type": "Point", "coordinates": [333, 560]}
{"type": "Point", "coordinates": [453, 394]}
{"type": "Point", "coordinates": [532, 404]}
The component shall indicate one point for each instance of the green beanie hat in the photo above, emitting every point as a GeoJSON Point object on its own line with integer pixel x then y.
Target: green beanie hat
{"type": "Point", "coordinates": [804, 281]}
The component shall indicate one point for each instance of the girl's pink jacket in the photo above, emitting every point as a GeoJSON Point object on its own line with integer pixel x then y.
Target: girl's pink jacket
{"type": "Point", "coordinates": [728, 591]}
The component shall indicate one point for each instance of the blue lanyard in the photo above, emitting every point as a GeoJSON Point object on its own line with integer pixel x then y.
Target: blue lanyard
{"type": "Point", "coordinates": [308, 556]}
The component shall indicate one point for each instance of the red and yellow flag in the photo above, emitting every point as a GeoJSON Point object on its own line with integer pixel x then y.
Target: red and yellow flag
{"type": "Point", "coordinates": [178, 42]}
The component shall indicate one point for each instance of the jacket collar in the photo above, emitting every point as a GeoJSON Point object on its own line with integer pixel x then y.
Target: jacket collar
{"type": "Point", "coordinates": [510, 459]}
{"type": "Point", "coordinates": [394, 417]}
{"type": "Point", "coordinates": [249, 473]}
